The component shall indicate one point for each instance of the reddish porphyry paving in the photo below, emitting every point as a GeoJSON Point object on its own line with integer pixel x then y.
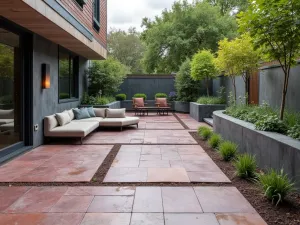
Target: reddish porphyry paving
{"type": "Point", "coordinates": [190, 122]}
{"type": "Point", "coordinates": [56, 163]}
{"type": "Point", "coordinates": [127, 206]}
{"type": "Point", "coordinates": [164, 163]}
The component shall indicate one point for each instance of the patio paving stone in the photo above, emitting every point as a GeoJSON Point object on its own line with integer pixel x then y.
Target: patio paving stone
{"type": "Point", "coordinates": [147, 219]}
{"type": "Point", "coordinates": [208, 177]}
{"type": "Point", "coordinates": [167, 175]}
{"type": "Point", "coordinates": [126, 175]}
{"type": "Point", "coordinates": [148, 199]}
{"type": "Point", "coordinates": [223, 199]}
{"type": "Point", "coordinates": [180, 199]}
{"type": "Point", "coordinates": [240, 219]}
{"type": "Point", "coordinates": [72, 204]}
{"type": "Point", "coordinates": [111, 204]}
{"type": "Point", "coordinates": [90, 191]}
{"type": "Point", "coordinates": [9, 195]}
{"type": "Point", "coordinates": [106, 218]}
{"type": "Point", "coordinates": [190, 219]}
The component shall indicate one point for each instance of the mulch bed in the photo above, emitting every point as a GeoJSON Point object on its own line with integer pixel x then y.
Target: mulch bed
{"type": "Point", "coordinates": [286, 213]}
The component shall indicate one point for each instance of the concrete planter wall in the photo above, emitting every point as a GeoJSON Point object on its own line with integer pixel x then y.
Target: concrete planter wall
{"type": "Point", "coordinates": [182, 107]}
{"type": "Point", "coordinates": [112, 105]}
{"type": "Point", "coordinates": [272, 150]}
{"type": "Point", "coordinates": [201, 111]}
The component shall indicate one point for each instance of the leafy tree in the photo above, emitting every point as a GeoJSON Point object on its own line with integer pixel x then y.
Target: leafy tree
{"type": "Point", "coordinates": [203, 67]}
{"type": "Point", "coordinates": [6, 61]}
{"type": "Point", "coordinates": [187, 89]}
{"type": "Point", "coordinates": [106, 76]}
{"type": "Point", "coordinates": [274, 26]}
{"type": "Point", "coordinates": [127, 47]}
{"type": "Point", "coordinates": [179, 33]}
{"type": "Point", "coordinates": [227, 6]}
{"type": "Point", "coordinates": [226, 63]}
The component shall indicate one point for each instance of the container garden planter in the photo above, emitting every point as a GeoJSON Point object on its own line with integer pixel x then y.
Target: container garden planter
{"type": "Point", "coordinates": [201, 111]}
{"type": "Point", "coordinates": [112, 105]}
{"type": "Point", "coordinates": [183, 107]}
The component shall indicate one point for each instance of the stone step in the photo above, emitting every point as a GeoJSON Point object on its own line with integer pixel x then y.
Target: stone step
{"type": "Point", "coordinates": [209, 121]}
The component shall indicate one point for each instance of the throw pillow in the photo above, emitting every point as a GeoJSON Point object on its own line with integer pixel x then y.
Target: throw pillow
{"type": "Point", "coordinates": [71, 114]}
{"type": "Point", "coordinates": [91, 111]}
{"type": "Point", "coordinates": [81, 113]}
{"type": "Point", "coordinates": [63, 118]}
{"type": "Point", "coordinates": [115, 113]}
{"type": "Point", "coordinates": [161, 102]}
{"type": "Point", "coordinates": [100, 112]}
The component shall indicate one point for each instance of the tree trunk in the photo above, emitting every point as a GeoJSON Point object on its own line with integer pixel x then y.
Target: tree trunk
{"type": "Point", "coordinates": [207, 89]}
{"type": "Point", "coordinates": [234, 87]}
{"type": "Point", "coordinates": [284, 91]}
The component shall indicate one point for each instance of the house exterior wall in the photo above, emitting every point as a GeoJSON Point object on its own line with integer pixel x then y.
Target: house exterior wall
{"type": "Point", "coordinates": [85, 16]}
{"type": "Point", "coordinates": [45, 101]}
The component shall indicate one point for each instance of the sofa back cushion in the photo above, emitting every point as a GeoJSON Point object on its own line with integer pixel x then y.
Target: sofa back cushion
{"type": "Point", "coordinates": [81, 113]}
{"type": "Point", "coordinates": [71, 114]}
{"type": "Point", "coordinates": [161, 102]}
{"type": "Point", "coordinates": [115, 113]}
{"type": "Point", "coordinates": [100, 112]}
{"type": "Point", "coordinates": [50, 122]}
{"type": "Point", "coordinates": [91, 111]}
{"type": "Point", "coordinates": [6, 114]}
{"type": "Point", "coordinates": [63, 118]}
{"type": "Point", "coordinates": [138, 102]}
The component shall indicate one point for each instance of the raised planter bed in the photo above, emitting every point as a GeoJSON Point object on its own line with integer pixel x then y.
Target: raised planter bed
{"type": "Point", "coordinates": [112, 105]}
{"type": "Point", "coordinates": [183, 107]}
{"type": "Point", "coordinates": [272, 150]}
{"type": "Point", "coordinates": [201, 111]}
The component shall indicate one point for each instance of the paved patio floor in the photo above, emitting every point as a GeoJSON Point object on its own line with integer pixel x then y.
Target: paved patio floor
{"type": "Point", "coordinates": [161, 150]}
{"type": "Point", "coordinates": [125, 206]}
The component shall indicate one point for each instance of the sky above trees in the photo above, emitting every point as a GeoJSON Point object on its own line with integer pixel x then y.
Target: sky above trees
{"type": "Point", "coordinates": [125, 14]}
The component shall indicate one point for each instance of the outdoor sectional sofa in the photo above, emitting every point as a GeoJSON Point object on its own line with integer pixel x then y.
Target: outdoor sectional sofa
{"type": "Point", "coordinates": [55, 127]}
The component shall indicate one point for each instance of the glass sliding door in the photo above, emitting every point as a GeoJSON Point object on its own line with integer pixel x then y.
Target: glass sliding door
{"type": "Point", "coordinates": [10, 89]}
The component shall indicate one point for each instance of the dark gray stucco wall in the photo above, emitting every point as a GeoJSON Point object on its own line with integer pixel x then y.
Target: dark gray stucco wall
{"type": "Point", "coordinates": [150, 85]}
{"type": "Point", "coordinates": [271, 83]}
{"type": "Point", "coordinates": [45, 101]}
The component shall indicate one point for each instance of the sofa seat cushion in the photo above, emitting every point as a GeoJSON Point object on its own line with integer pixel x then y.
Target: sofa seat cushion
{"type": "Point", "coordinates": [5, 121]}
{"type": "Point", "coordinates": [6, 114]}
{"type": "Point", "coordinates": [119, 122]}
{"type": "Point", "coordinates": [97, 119]}
{"type": "Point", "coordinates": [7, 126]}
{"type": "Point", "coordinates": [73, 129]}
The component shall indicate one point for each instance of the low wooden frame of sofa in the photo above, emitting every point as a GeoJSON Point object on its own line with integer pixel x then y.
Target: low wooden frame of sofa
{"type": "Point", "coordinates": [81, 128]}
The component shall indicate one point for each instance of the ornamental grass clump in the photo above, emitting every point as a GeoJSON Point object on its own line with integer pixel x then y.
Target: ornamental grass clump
{"type": "Point", "coordinates": [245, 166]}
{"type": "Point", "coordinates": [215, 140]}
{"type": "Point", "coordinates": [204, 132]}
{"type": "Point", "coordinates": [228, 150]}
{"type": "Point", "coordinates": [276, 185]}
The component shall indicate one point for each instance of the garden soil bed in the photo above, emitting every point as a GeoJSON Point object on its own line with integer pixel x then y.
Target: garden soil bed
{"type": "Point", "coordinates": [287, 213]}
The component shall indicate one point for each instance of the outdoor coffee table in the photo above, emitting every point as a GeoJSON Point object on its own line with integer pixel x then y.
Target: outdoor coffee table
{"type": "Point", "coordinates": [143, 110]}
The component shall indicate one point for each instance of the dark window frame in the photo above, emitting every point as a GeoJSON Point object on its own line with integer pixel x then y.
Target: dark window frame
{"type": "Point", "coordinates": [75, 83]}
{"type": "Point", "coordinates": [96, 15]}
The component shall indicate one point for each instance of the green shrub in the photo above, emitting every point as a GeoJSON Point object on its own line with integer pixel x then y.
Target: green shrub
{"type": "Point", "coordinates": [211, 100]}
{"type": "Point", "coordinates": [294, 132]}
{"type": "Point", "coordinates": [271, 123]}
{"type": "Point", "coordinates": [245, 166]}
{"type": "Point", "coordinates": [64, 95]}
{"type": "Point", "coordinates": [276, 185]}
{"type": "Point", "coordinates": [204, 132]}
{"type": "Point", "coordinates": [121, 97]}
{"type": "Point", "coordinates": [88, 100]}
{"type": "Point", "coordinates": [140, 95]}
{"type": "Point", "coordinates": [161, 95]}
{"type": "Point", "coordinates": [215, 140]}
{"type": "Point", "coordinates": [104, 100]}
{"type": "Point", "coordinates": [228, 150]}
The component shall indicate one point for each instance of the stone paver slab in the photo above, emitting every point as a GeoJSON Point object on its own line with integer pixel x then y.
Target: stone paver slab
{"type": "Point", "coordinates": [190, 219]}
{"type": "Point", "coordinates": [240, 219]}
{"type": "Point", "coordinates": [125, 163]}
{"type": "Point", "coordinates": [216, 177]}
{"type": "Point", "coordinates": [111, 204]}
{"type": "Point", "coordinates": [8, 195]}
{"type": "Point", "coordinates": [91, 191]}
{"type": "Point", "coordinates": [72, 204]}
{"type": "Point", "coordinates": [106, 218]}
{"type": "Point", "coordinates": [148, 199]}
{"type": "Point", "coordinates": [150, 157]}
{"type": "Point", "coordinates": [167, 175]}
{"type": "Point", "coordinates": [147, 219]}
{"type": "Point", "coordinates": [126, 175]}
{"type": "Point", "coordinates": [180, 199]}
{"type": "Point", "coordinates": [37, 199]}
{"type": "Point", "coordinates": [223, 199]}
{"type": "Point", "coordinates": [154, 164]}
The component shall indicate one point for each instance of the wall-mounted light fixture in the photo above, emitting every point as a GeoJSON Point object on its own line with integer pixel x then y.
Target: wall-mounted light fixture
{"type": "Point", "coordinates": [45, 76]}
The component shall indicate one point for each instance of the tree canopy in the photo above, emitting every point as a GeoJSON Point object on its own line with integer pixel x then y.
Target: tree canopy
{"type": "Point", "coordinates": [229, 6]}
{"type": "Point", "coordinates": [6, 61]}
{"type": "Point", "coordinates": [203, 67]}
{"type": "Point", "coordinates": [179, 33]}
{"type": "Point", "coordinates": [274, 27]}
{"type": "Point", "coordinates": [106, 75]}
{"type": "Point", "coordinates": [127, 47]}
